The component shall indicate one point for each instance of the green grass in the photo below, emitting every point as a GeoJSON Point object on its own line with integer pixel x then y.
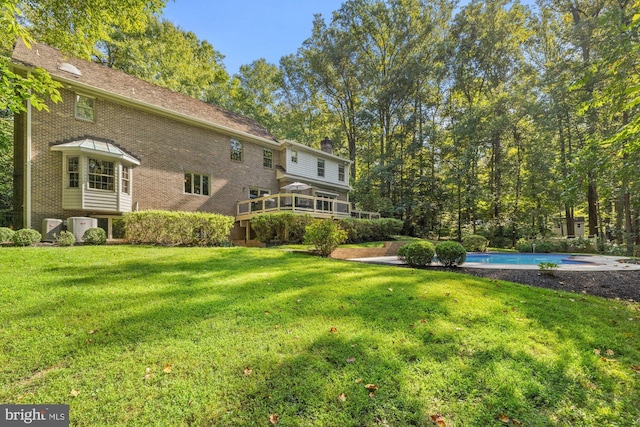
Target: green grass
{"type": "Point", "coordinates": [226, 337]}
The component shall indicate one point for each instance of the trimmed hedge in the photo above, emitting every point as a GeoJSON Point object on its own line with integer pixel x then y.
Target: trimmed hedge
{"type": "Point", "coordinates": [5, 234]}
{"type": "Point", "coordinates": [65, 238]}
{"type": "Point", "coordinates": [475, 243]}
{"type": "Point", "coordinates": [26, 237]}
{"type": "Point", "coordinates": [177, 228]}
{"type": "Point", "coordinates": [95, 236]}
{"type": "Point", "coordinates": [285, 227]}
{"type": "Point", "coordinates": [417, 254]}
{"type": "Point", "coordinates": [451, 253]}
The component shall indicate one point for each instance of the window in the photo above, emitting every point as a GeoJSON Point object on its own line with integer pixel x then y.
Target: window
{"type": "Point", "coordinates": [340, 172]}
{"type": "Point", "coordinates": [73, 171]}
{"type": "Point", "coordinates": [294, 156]}
{"type": "Point", "coordinates": [254, 193]}
{"type": "Point", "coordinates": [196, 184]}
{"type": "Point", "coordinates": [267, 158]}
{"type": "Point", "coordinates": [320, 167]}
{"type": "Point", "coordinates": [126, 180]}
{"type": "Point", "coordinates": [85, 108]}
{"type": "Point", "coordinates": [101, 174]}
{"type": "Point", "coordinates": [236, 150]}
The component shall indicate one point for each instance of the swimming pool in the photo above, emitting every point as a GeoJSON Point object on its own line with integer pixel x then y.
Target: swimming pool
{"type": "Point", "coordinates": [521, 259]}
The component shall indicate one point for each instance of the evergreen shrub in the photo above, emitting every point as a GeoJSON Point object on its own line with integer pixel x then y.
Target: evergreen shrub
{"type": "Point", "coordinates": [26, 237]}
{"type": "Point", "coordinates": [450, 253]}
{"type": "Point", "coordinates": [325, 235]}
{"type": "Point", "coordinates": [475, 243]}
{"type": "Point", "coordinates": [65, 238]}
{"type": "Point", "coordinates": [95, 236]}
{"type": "Point", "coordinates": [417, 254]}
{"type": "Point", "coordinates": [5, 234]}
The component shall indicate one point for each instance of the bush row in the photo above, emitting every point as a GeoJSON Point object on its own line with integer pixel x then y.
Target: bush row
{"type": "Point", "coordinates": [549, 245]}
{"type": "Point", "coordinates": [421, 253]}
{"type": "Point", "coordinates": [286, 227]}
{"type": "Point", "coordinates": [177, 228]}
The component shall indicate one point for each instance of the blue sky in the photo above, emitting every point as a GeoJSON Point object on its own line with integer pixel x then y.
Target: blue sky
{"type": "Point", "coordinates": [246, 30]}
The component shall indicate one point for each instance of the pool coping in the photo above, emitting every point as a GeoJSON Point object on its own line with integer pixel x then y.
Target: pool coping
{"type": "Point", "coordinates": [591, 263]}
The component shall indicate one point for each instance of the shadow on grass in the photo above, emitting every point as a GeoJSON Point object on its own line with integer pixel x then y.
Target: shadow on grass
{"type": "Point", "coordinates": [423, 339]}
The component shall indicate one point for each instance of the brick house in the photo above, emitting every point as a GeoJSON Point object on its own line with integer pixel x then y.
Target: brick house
{"type": "Point", "coordinates": [117, 144]}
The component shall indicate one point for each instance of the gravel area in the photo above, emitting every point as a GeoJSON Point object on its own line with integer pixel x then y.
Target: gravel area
{"type": "Point", "coordinates": [624, 285]}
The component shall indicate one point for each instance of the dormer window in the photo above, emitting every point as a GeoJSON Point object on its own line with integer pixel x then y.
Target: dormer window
{"type": "Point", "coordinates": [85, 108]}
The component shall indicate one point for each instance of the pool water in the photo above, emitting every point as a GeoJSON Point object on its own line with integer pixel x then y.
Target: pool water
{"type": "Point", "coordinates": [520, 259]}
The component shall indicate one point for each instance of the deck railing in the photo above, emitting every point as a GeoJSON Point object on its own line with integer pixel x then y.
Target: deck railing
{"type": "Point", "coordinates": [318, 207]}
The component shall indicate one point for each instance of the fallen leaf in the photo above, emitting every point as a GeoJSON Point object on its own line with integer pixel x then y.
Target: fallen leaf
{"type": "Point", "coordinates": [636, 368]}
{"type": "Point", "coordinates": [298, 300]}
{"type": "Point", "coordinates": [609, 352]}
{"type": "Point", "coordinates": [372, 394]}
{"type": "Point", "coordinates": [423, 321]}
{"type": "Point", "coordinates": [371, 387]}
{"type": "Point", "coordinates": [516, 423]}
{"type": "Point", "coordinates": [74, 392]}
{"type": "Point", "coordinates": [390, 289]}
{"type": "Point", "coordinates": [504, 418]}
{"type": "Point", "coordinates": [247, 371]}
{"type": "Point", "coordinates": [439, 420]}
{"type": "Point", "coordinates": [273, 419]}
{"type": "Point", "coordinates": [342, 397]}
{"type": "Point", "coordinates": [596, 351]}
{"type": "Point", "coordinates": [604, 359]}
{"type": "Point", "coordinates": [411, 325]}
{"type": "Point", "coordinates": [91, 332]}
{"type": "Point", "coordinates": [351, 360]}
{"type": "Point", "coordinates": [358, 381]}
{"type": "Point", "coordinates": [267, 312]}
{"type": "Point", "coordinates": [333, 329]}
{"type": "Point", "coordinates": [591, 385]}
{"type": "Point", "coordinates": [448, 293]}
{"type": "Point", "coordinates": [167, 368]}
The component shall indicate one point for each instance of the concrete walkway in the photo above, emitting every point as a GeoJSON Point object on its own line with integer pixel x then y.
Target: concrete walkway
{"type": "Point", "coordinates": [592, 263]}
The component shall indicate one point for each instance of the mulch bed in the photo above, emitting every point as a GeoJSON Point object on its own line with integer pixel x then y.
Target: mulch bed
{"type": "Point", "coordinates": [624, 285]}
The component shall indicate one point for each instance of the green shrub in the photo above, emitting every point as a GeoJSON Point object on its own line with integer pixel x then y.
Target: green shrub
{"type": "Point", "coordinates": [548, 268]}
{"type": "Point", "coordinates": [177, 228]}
{"type": "Point", "coordinates": [326, 235]}
{"type": "Point", "coordinates": [26, 237]}
{"type": "Point", "coordinates": [582, 245]}
{"type": "Point", "coordinates": [368, 230]}
{"type": "Point", "coordinates": [5, 234]}
{"type": "Point", "coordinates": [450, 253]}
{"type": "Point", "coordinates": [65, 238]}
{"type": "Point", "coordinates": [285, 227]}
{"type": "Point", "coordinates": [475, 243]}
{"type": "Point", "coordinates": [522, 246]}
{"type": "Point", "coordinates": [417, 254]}
{"type": "Point", "coordinates": [95, 236]}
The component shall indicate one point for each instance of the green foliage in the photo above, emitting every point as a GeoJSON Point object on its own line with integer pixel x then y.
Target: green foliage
{"type": "Point", "coordinates": [5, 234]}
{"type": "Point", "coordinates": [325, 235]}
{"type": "Point", "coordinates": [285, 227]}
{"type": "Point", "coordinates": [25, 237]}
{"type": "Point", "coordinates": [95, 236]}
{"type": "Point", "coordinates": [66, 238]}
{"type": "Point", "coordinates": [450, 253]}
{"type": "Point", "coordinates": [417, 254]}
{"type": "Point", "coordinates": [548, 268]}
{"type": "Point", "coordinates": [549, 245]}
{"type": "Point", "coordinates": [369, 230]}
{"type": "Point", "coordinates": [6, 165]}
{"type": "Point", "coordinates": [475, 243]}
{"type": "Point", "coordinates": [177, 228]}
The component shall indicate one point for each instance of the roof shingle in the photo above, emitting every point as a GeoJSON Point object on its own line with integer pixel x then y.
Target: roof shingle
{"type": "Point", "coordinates": [116, 82]}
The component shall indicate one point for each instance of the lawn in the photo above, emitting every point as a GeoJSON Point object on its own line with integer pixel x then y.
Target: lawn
{"type": "Point", "coordinates": [146, 336]}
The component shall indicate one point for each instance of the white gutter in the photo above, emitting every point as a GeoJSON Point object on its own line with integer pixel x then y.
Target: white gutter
{"type": "Point", "coordinates": [27, 179]}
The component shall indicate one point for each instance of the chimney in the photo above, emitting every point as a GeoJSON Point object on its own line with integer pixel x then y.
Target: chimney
{"type": "Point", "coordinates": [326, 145]}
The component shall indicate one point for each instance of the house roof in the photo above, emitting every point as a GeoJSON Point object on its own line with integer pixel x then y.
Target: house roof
{"type": "Point", "coordinates": [106, 81]}
{"type": "Point", "coordinates": [99, 147]}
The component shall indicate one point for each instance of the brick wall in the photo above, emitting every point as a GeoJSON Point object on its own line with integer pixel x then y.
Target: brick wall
{"type": "Point", "coordinates": [166, 148]}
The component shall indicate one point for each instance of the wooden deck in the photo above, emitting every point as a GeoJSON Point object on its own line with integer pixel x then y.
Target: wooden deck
{"type": "Point", "coordinates": [317, 207]}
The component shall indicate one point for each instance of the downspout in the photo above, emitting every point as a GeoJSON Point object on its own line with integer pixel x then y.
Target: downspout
{"type": "Point", "coordinates": [27, 183]}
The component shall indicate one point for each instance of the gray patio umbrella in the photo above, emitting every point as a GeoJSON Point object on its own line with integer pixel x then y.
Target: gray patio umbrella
{"type": "Point", "coordinates": [296, 186]}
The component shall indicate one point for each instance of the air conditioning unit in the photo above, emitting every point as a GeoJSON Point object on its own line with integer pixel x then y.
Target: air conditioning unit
{"type": "Point", "coordinates": [51, 227]}
{"type": "Point", "coordinates": [79, 224]}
